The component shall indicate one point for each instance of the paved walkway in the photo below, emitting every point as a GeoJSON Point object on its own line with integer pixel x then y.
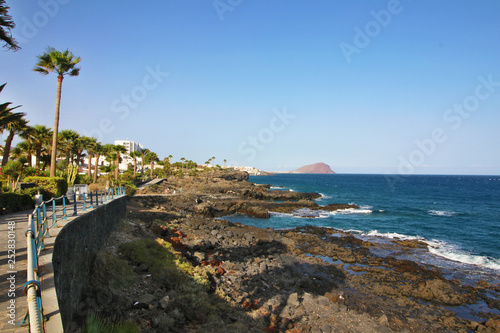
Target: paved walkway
{"type": "Point", "coordinates": [13, 274]}
{"type": "Point", "coordinates": [151, 182]}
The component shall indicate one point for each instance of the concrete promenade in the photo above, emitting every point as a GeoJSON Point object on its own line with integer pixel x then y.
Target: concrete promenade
{"type": "Point", "coordinates": [13, 274]}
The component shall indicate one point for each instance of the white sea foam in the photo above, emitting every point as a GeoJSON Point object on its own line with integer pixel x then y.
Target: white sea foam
{"type": "Point", "coordinates": [360, 210]}
{"type": "Point", "coordinates": [443, 249]}
{"type": "Point", "coordinates": [394, 235]}
{"type": "Point", "coordinates": [449, 251]}
{"type": "Point", "coordinates": [323, 197]}
{"type": "Point", "coordinates": [442, 213]}
{"type": "Point", "coordinates": [277, 214]}
{"type": "Point", "coordinates": [354, 231]}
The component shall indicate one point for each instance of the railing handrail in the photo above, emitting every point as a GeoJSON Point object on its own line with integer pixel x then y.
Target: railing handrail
{"type": "Point", "coordinates": [35, 235]}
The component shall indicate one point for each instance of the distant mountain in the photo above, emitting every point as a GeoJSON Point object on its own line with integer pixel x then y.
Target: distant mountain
{"type": "Point", "coordinates": [315, 168]}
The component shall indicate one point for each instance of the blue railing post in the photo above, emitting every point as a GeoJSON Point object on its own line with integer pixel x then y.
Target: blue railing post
{"type": "Point", "coordinates": [39, 216]}
{"type": "Point", "coordinates": [97, 198]}
{"type": "Point", "coordinates": [54, 215]}
{"type": "Point", "coordinates": [74, 205]}
{"type": "Point", "coordinates": [91, 200]}
{"type": "Point", "coordinates": [65, 216]}
{"type": "Point", "coordinates": [84, 202]}
{"type": "Point", "coordinates": [101, 198]}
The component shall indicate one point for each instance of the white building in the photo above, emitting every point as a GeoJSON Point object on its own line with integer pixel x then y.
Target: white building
{"type": "Point", "coordinates": [130, 146]}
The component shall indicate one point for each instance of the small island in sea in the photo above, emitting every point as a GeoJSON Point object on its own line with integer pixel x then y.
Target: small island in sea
{"type": "Point", "coordinates": [318, 168]}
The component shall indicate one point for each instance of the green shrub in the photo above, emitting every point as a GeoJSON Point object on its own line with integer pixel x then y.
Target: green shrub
{"type": "Point", "coordinates": [54, 186]}
{"type": "Point", "coordinates": [130, 189]}
{"type": "Point", "coordinates": [34, 191]}
{"type": "Point", "coordinates": [83, 179]}
{"type": "Point", "coordinates": [15, 202]}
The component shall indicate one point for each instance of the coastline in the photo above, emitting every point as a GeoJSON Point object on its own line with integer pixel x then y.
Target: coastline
{"type": "Point", "coordinates": [304, 278]}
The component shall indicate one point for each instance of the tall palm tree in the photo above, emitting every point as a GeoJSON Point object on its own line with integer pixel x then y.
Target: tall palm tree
{"type": "Point", "coordinates": [151, 158]}
{"type": "Point", "coordinates": [118, 150]}
{"type": "Point", "coordinates": [62, 63]}
{"type": "Point", "coordinates": [91, 152]}
{"type": "Point", "coordinates": [14, 127]}
{"type": "Point", "coordinates": [144, 152]}
{"type": "Point", "coordinates": [6, 24]}
{"type": "Point", "coordinates": [135, 155]}
{"type": "Point", "coordinates": [98, 150]}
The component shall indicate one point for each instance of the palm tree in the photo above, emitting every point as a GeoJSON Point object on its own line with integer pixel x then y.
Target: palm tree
{"type": "Point", "coordinates": [98, 150]}
{"type": "Point", "coordinates": [144, 152]}
{"type": "Point", "coordinates": [135, 155]}
{"type": "Point", "coordinates": [151, 158]}
{"type": "Point", "coordinates": [67, 141]}
{"type": "Point", "coordinates": [118, 150]}
{"type": "Point", "coordinates": [82, 144]}
{"type": "Point", "coordinates": [14, 128]}
{"type": "Point", "coordinates": [40, 136]}
{"type": "Point", "coordinates": [91, 152]}
{"type": "Point", "coordinates": [24, 149]}
{"type": "Point", "coordinates": [6, 114]}
{"type": "Point", "coordinates": [6, 24]}
{"type": "Point", "coordinates": [62, 63]}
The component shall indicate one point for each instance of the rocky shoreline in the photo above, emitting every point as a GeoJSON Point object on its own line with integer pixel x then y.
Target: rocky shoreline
{"type": "Point", "coordinates": [247, 279]}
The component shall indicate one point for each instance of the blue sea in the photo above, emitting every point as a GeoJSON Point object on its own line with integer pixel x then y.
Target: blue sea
{"type": "Point", "coordinates": [458, 217]}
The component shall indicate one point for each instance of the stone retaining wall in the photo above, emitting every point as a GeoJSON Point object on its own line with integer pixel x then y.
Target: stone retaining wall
{"type": "Point", "coordinates": [75, 250]}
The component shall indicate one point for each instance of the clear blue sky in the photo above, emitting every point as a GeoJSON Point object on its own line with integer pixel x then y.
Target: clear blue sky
{"type": "Point", "coordinates": [366, 87]}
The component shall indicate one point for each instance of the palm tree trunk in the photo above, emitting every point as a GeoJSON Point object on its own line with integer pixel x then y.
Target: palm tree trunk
{"type": "Point", "coordinates": [38, 155]}
{"type": "Point", "coordinates": [53, 156]}
{"type": "Point", "coordinates": [89, 167]}
{"type": "Point", "coordinates": [95, 168]}
{"type": "Point", "coordinates": [117, 166]}
{"type": "Point", "coordinates": [6, 149]}
{"type": "Point", "coordinates": [135, 167]}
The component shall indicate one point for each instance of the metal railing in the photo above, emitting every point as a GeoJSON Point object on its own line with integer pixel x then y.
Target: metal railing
{"type": "Point", "coordinates": [40, 222]}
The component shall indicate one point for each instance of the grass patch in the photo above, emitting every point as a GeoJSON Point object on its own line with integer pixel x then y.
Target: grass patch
{"type": "Point", "coordinates": [96, 324]}
{"type": "Point", "coordinates": [165, 264]}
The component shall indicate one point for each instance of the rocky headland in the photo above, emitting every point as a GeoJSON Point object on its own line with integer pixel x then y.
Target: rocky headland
{"type": "Point", "coordinates": [175, 265]}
